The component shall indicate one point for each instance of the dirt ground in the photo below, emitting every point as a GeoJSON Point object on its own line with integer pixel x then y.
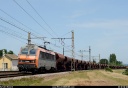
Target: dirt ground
{"type": "Point", "coordinates": [89, 78]}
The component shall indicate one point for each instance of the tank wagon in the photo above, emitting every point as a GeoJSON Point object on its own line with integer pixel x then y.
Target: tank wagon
{"type": "Point", "coordinates": [37, 59]}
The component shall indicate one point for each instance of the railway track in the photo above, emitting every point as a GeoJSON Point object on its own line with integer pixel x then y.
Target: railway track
{"type": "Point", "coordinates": [29, 75]}
{"type": "Point", "coordinates": [8, 74]}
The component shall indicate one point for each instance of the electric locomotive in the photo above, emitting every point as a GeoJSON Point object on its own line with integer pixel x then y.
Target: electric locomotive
{"type": "Point", "coordinates": [33, 58]}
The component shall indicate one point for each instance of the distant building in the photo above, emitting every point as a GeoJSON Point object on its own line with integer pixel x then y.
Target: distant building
{"type": "Point", "coordinates": [9, 62]}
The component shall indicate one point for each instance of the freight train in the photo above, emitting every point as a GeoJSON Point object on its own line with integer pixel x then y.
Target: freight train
{"type": "Point", "coordinates": [37, 59]}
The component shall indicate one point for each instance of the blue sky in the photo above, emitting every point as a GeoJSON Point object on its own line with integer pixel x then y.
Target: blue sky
{"type": "Point", "coordinates": [101, 24]}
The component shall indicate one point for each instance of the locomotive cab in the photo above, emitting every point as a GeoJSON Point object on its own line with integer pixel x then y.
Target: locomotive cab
{"type": "Point", "coordinates": [27, 58]}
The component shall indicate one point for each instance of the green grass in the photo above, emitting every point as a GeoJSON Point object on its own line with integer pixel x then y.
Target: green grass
{"type": "Point", "coordinates": [118, 80]}
{"type": "Point", "coordinates": [87, 75]}
{"type": "Point", "coordinates": [22, 82]}
{"type": "Point", "coordinates": [35, 81]}
{"type": "Point", "coordinates": [72, 75]}
{"type": "Point", "coordinates": [125, 72]}
{"type": "Point", "coordinates": [108, 69]}
{"type": "Point", "coordinates": [118, 71]}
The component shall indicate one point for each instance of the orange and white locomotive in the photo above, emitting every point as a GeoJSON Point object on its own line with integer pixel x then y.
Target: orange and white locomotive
{"type": "Point", "coordinates": [33, 58]}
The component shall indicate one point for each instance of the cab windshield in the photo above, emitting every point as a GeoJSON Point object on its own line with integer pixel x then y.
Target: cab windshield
{"type": "Point", "coordinates": [32, 51]}
{"type": "Point", "coordinates": [24, 51]}
{"type": "Point", "coordinates": [28, 51]}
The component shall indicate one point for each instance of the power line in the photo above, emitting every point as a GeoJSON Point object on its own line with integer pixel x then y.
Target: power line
{"type": "Point", "coordinates": [15, 25]}
{"type": "Point", "coordinates": [12, 35]}
{"type": "Point", "coordinates": [12, 24]}
{"type": "Point", "coordinates": [62, 42]}
{"type": "Point", "coordinates": [81, 51]}
{"type": "Point", "coordinates": [13, 32]}
{"type": "Point", "coordinates": [41, 17]}
{"type": "Point", "coordinates": [66, 34]}
{"type": "Point", "coordinates": [32, 17]}
{"type": "Point", "coordinates": [17, 20]}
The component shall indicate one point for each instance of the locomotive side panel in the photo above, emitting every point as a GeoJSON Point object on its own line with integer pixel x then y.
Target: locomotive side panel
{"type": "Point", "coordinates": [46, 60]}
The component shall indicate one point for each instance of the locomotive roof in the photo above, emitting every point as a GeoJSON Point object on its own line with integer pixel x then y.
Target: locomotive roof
{"type": "Point", "coordinates": [46, 50]}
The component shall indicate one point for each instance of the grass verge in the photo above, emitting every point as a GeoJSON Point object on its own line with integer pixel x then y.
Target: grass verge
{"type": "Point", "coordinates": [22, 82]}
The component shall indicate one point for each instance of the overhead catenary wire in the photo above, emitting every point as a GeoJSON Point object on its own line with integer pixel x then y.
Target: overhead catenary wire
{"type": "Point", "coordinates": [32, 18]}
{"type": "Point", "coordinates": [12, 34]}
{"type": "Point", "coordinates": [17, 20]}
{"type": "Point", "coordinates": [14, 25]}
{"type": "Point", "coordinates": [11, 31]}
{"type": "Point", "coordinates": [66, 34]}
{"type": "Point", "coordinates": [41, 17]}
{"type": "Point", "coordinates": [13, 37]}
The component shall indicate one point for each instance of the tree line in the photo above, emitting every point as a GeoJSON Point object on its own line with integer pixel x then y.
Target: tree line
{"type": "Point", "coordinates": [112, 61]}
{"type": "Point", "coordinates": [6, 52]}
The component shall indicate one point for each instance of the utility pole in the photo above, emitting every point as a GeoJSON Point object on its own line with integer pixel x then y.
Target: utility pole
{"type": "Point", "coordinates": [63, 42]}
{"type": "Point", "coordinates": [89, 55]}
{"type": "Point", "coordinates": [29, 39]}
{"type": "Point", "coordinates": [73, 54]}
{"type": "Point", "coordinates": [81, 51]}
{"type": "Point", "coordinates": [3, 60]}
{"type": "Point", "coordinates": [99, 61]}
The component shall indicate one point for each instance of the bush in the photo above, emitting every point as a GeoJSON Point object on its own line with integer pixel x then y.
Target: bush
{"type": "Point", "coordinates": [125, 72]}
{"type": "Point", "coordinates": [108, 69]}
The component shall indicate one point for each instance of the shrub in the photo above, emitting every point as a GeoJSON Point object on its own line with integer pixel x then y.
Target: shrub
{"type": "Point", "coordinates": [125, 72]}
{"type": "Point", "coordinates": [108, 69]}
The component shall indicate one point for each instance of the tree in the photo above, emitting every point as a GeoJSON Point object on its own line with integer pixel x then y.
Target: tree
{"type": "Point", "coordinates": [112, 59]}
{"type": "Point", "coordinates": [5, 50]}
{"type": "Point", "coordinates": [10, 52]}
{"type": "Point", "coordinates": [103, 61]}
{"type": "Point", "coordinates": [1, 52]}
{"type": "Point", "coordinates": [119, 63]}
